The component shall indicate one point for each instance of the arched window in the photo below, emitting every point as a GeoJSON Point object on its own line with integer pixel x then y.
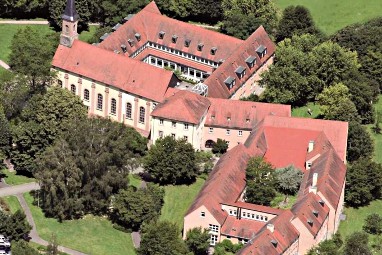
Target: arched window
{"type": "Point", "coordinates": [66, 29]}
{"type": "Point", "coordinates": [99, 102]}
{"type": "Point", "coordinates": [128, 111]}
{"type": "Point", "coordinates": [73, 88]}
{"type": "Point", "coordinates": [113, 109]}
{"type": "Point", "coordinates": [141, 114]}
{"type": "Point", "coordinates": [209, 144]}
{"type": "Point", "coordinates": [86, 95]}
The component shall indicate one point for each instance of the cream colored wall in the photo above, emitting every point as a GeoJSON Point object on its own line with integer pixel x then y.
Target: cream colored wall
{"type": "Point", "coordinates": [293, 249]}
{"type": "Point", "coordinates": [227, 208]}
{"type": "Point", "coordinates": [332, 215]}
{"type": "Point", "coordinates": [109, 92]}
{"type": "Point", "coordinates": [233, 138]}
{"type": "Point", "coordinates": [194, 220]}
{"type": "Point", "coordinates": [249, 86]}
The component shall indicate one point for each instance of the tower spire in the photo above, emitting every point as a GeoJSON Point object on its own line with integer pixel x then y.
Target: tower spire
{"type": "Point", "coordinates": [70, 13]}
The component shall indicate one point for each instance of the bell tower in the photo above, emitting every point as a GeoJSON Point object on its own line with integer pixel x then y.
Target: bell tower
{"type": "Point", "coordinates": [69, 24]}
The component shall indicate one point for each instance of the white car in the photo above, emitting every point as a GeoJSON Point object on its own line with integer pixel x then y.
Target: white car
{"type": "Point", "coordinates": [4, 253]}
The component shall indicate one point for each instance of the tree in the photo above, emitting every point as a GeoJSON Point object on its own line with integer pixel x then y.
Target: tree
{"type": "Point", "coordinates": [21, 247]}
{"type": "Point", "coordinates": [132, 207]}
{"type": "Point", "coordinates": [363, 182]}
{"type": "Point", "coordinates": [226, 246]}
{"type": "Point", "coordinates": [161, 238]}
{"type": "Point", "coordinates": [14, 226]}
{"type": "Point", "coordinates": [42, 121]}
{"type": "Point", "coordinates": [100, 31]}
{"type": "Point", "coordinates": [260, 182]}
{"type": "Point", "coordinates": [171, 161]}
{"type": "Point", "coordinates": [96, 165]}
{"type": "Point", "coordinates": [113, 11]}
{"type": "Point", "coordinates": [360, 144]}
{"type": "Point", "coordinates": [198, 241]}
{"type": "Point", "coordinates": [326, 247]}
{"type": "Point", "coordinates": [246, 16]}
{"type": "Point", "coordinates": [288, 180]}
{"type": "Point", "coordinates": [5, 135]}
{"type": "Point", "coordinates": [296, 20]}
{"type": "Point", "coordinates": [373, 224]}
{"type": "Point", "coordinates": [31, 55]}
{"type": "Point", "coordinates": [221, 146]}
{"type": "Point", "coordinates": [52, 248]}
{"type": "Point", "coordinates": [357, 244]}
{"type": "Point", "coordinates": [335, 103]}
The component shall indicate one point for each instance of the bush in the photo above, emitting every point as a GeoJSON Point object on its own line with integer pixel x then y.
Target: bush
{"type": "Point", "coordinates": [373, 224]}
{"type": "Point", "coordinates": [220, 147]}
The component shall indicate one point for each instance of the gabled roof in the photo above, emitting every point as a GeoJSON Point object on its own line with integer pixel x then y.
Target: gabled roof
{"type": "Point", "coordinates": [115, 70]}
{"type": "Point", "coordinates": [335, 131]}
{"type": "Point", "coordinates": [215, 82]}
{"type": "Point", "coordinates": [244, 115]}
{"type": "Point", "coordinates": [149, 23]}
{"type": "Point", "coordinates": [225, 183]}
{"type": "Point", "coordinates": [284, 235]}
{"type": "Point", "coordinates": [183, 106]}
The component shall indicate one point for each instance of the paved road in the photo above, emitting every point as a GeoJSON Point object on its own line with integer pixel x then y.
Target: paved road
{"type": "Point", "coordinates": [34, 235]}
{"type": "Point", "coordinates": [18, 189]}
{"type": "Point", "coordinates": [25, 22]}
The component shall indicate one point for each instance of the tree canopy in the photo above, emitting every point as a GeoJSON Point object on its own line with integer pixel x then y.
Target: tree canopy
{"type": "Point", "coordinates": [14, 226]}
{"type": "Point", "coordinates": [171, 161]}
{"type": "Point", "coordinates": [360, 143]}
{"type": "Point", "coordinates": [357, 244]}
{"type": "Point", "coordinates": [198, 241]}
{"type": "Point", "coordinates": [288, 179]}
{"type": "Point", "coordinates": [373, 224]}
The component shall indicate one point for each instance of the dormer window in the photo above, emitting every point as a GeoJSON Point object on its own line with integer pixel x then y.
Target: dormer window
{"type": "Point", "coordinates": [251, 61]}
{"type": "Point", "coordinates": [213, 117]}
{"type": "Point", "coordinates": [247, 120]}
{"type": "Point", "coordinates": [322, 203]}
{"type": "Point", "coordinates": [131, 42]}
{"type": "Point", "coordinates": [240, 71]}
{"type": "Point", "coordinates": [174, 38]}
{"type": "Point", "coordinates": [124, 48]}
{"type": "Point", "coordinates": [230, 82]}
{"type": "Point", "coordinates": [200, 46]}
{"type": "Point", "coordinates": [161, 34]}
{"type": "Point", "coordinates": [213, 50]}
{"type": "Point", "coordinates": [274, 243]}
{"type": "Point", "coordinates": [308, 165]}
{"type": "Point", "coordinates": [310, 222]}
{"type": "Point", "coordinates": [228, 118]}
{"type": "Point", "coordinates": [261, 51]}
{"type": "Point", "coordinates": [187, 43]}
{"type": "Point", "coordinates": [138, 36]}
{"type": "Point", "coordinates": [315, 213]}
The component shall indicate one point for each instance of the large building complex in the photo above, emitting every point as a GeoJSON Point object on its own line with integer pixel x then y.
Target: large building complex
{"type": "Point", "coordinates": [129, 78]}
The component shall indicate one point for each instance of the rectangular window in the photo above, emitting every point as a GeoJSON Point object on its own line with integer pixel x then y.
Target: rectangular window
{"type": "Point", "coordinates": [161, 134]}
{"type": "Point", "coordinates": [185, 126]}
{"type": "Point", "coordinates": [202, 214]}
{"type": "Point", "coordinates": [173, 135]}
{"type": "Point", "coordinates": [173, 124]}
{"type": "Point", "coordinates": [214, 240]}
{"type": "Point", "coordinates": [185, 138]}
{"type": "Point", "coordinates": [214, 228]}
{"type": "Point", "coordinates": [240, 133]}
{"type": "Point", "coordinates": [228, 132]}
{"type": "Point", "coordinates": [161, 122]}
{"type": "Point", "coordinates": [210, 130]}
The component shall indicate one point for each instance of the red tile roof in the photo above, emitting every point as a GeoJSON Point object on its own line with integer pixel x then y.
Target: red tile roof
{"type": "Point", "coordinates": [304, 209]}
{"type": "Point", "coordinates": [335, 131]}
{"type": "Point", "coordinates": [149, 23]}
{"type": "Point", "coordinates": [285, 234]}
{"type": "Point", "coordinates": [173, 58]}
{"type": "Point", "coordinates": [242, 114]}
{"type": "Point", "coordinates": [115, 70]}
{"type": "Point", "coordinates": [183, 106]}
{"type": "Point", "coordinates": [215, 82]}
{"type": "Point", "coordinates": [242, 228]}
{"type": "Point", "coordinates": [225, 183]}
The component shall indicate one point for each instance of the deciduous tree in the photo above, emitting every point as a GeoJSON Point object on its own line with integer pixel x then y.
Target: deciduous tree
{"type": "Point", "coordinates": [288, 180]}
{"type": "Point", "coordinates": [220, 147]}
{"type": "Point", "coordinates": [198, 241]}
{"type": "Point", "coordinates": [373, 224]}
{"type": "Point", "coordinates": [357, 244]}
{"type": "Point", "coordinates": [360, 144]}
{"type": "Point", "coordinates": [21, 247]}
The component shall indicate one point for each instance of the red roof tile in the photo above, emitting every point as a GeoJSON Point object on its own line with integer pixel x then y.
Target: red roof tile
{"type": "Point", "coordinates": [335, 131]}
{"type": "Point", "coordinates": [225, 183]}
{"type": "Point", "coordinates": [311, 213]}
{"type": "Point", "coordinates": [149, 23]}
{"type": "Point", "coordinates": [115, 70]}
{"type": "Point", "coordinates": [242, 228]}
{"type": "Point", "coordinates": [241, 114]}
{"type": "Point", "coordinates": [285, 234]}
{"type": "Point", "coordinates": [215, 82]}
{"type": "Point", "coordinates": [183, 106]}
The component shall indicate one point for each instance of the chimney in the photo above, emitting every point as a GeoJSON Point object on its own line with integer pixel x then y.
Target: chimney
{"type": "Point", "coordinates": [310, 146]}
{"type": "Point", "coordinates": [313, 188]}
{"type": "Point", "coordinates": [271, 227]}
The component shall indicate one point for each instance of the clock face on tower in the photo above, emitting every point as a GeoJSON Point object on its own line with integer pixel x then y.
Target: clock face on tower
{"type": "Point", "coordinates": [65, 40]}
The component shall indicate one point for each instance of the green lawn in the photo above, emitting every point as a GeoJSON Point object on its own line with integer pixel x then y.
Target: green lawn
{"type": "Point", "coordinates": [275, 203]}
{"type": "Point", "coordinates": [134, 181]}
{"type": "Point", "coordinates": [178, 199]}
{"type": "Point", "coordinates": [12, 178]}
{"type": "Point", "coordinates": [332, 15]}
{"type": "Point", "coordinates": [303, 111]}
{"type": "Point", "coordinates": [91, 235]}
{"type": "Point", "coordinates": [13, 203]}
{"type": "Point", "coordinates": [7, 31]}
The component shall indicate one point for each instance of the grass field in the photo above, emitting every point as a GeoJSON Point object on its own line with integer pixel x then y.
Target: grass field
{"type": "Point", "coordinates": [91, 235]}
{"type": "Point", "coordinates": [332, 15]}
{"type": "Point", "coordinates": [275, 203]}
{"type": "Point", "coordinates": [303, 111]}
{"type": "Point", "coordinates": [7, 31]}
{"type": "Point", "coordinates": [177, 200]}
{"type": "Point", "coordinates": [13, 203]}
{"type": "Point", "coordinates": [12, 178]}
{"type": "Point", "coordinates": [134, 181]}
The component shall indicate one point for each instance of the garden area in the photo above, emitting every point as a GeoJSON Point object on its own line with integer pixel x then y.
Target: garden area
{"type": "Point", "coordinates": [12, 178]}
